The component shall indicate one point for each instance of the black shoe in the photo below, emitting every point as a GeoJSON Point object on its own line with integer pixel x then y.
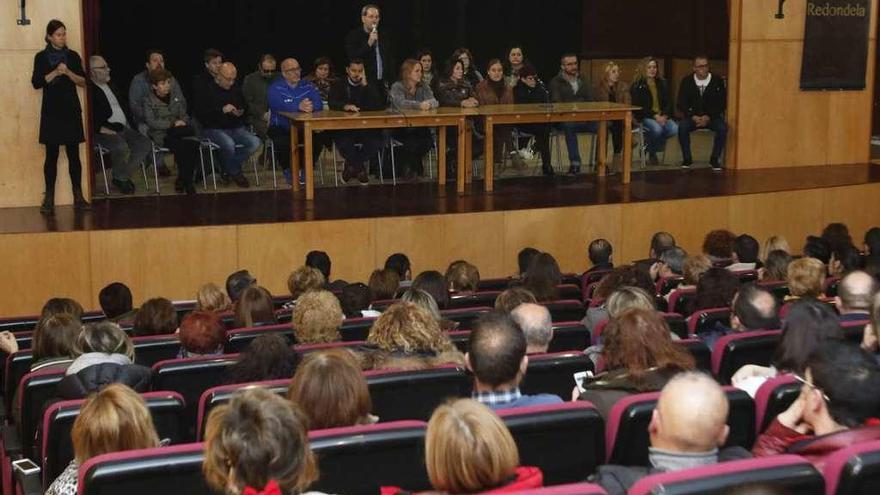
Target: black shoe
{"type": "Point", "coordinates": [179, 187]}
{"type": "Point", "coordinates": [713, 162]}
{"type": "Point", "coordinates": [124, 186]}
{"type": "Point", "coordinates": [347, 174]}
{"type": "Point", "coordinates": [363, 178]}
{"type": "Point", "coordinates": [574, 171]}
{"type": "Point", "coordinates": [687, 164]}
{"type": "Point", "coordinates": [48, 206]}
{"type": "Point", "coordinates": [548, 171]}
{"type": "Point", "coordinates": [240, 180]}
{"type": "Point", "coordinates": [189, 189]}
{"type": "Point", "coordinates": [80, 203]}
{"type": "Point", "coordinates": [652, 159]}
{"type": "Point", "coordinates": [163, 171]}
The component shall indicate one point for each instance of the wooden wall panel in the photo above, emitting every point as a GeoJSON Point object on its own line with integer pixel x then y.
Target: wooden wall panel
{"type": "Point", "coordinates": [477, 238]}
{"type": "Point", "coordinates": [21, 173]}
{"type": "Point", "coordinates": [421, 238]}
{"type": "Point", "coordinates": [171, 263]}
{"type": "Point", "coordinates": [794, 215]}
{"type": "Point", "coordinates": [272, 251]}
{"type": "Point", "coordinates": [760, 23]}
{"type": "Point", "coordinates": [687, 220]}
{"type": "Point", "coordinates": [856, 206]}
{"type": "Point", "coordinates": [564, 232]}
{"type": "Point", "coordinates": [40, 266]}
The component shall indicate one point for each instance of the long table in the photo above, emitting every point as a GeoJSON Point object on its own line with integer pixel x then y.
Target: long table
{"type": "Point", "coordinates": [330, 120]}
{"type": "Point", "coordinates": [555, 113]}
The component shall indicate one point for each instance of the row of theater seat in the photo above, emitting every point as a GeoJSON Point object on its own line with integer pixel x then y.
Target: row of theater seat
{"type": "Point", "coordinates": [562, 440]}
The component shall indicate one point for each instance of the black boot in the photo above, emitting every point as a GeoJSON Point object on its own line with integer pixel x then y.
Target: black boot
{"type": "Point", "coordinates": [48, 206]}
{"type": "Point", "coordinates": [79, 202]}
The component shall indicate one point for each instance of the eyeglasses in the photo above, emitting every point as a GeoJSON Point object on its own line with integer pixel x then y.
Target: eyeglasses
{"type": "Point", "coordinates": [287, 71]}
{"type": "Point", "coordinates": [812, 386]}
{"type": "Point", "coordinates": [701, 66]}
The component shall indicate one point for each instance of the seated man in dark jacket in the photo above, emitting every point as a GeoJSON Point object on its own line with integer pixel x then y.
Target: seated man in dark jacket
{"type": "Point", "coordinates": [357, 146]}
{"type": "Point", "coordinates": [569, 87]}
{"type": "Point", "coordinates": [753, 308]}
{"type": "Point", "coordinates": [220, 109]}
{"type": "Point", "coordinates": [687, 429]}
{"type": "Point", "coordinates": [837, 406]}
{"type": "Point", "coordinates": [702, 98]}
{"type": "Point", "coordinates": [530, 89]}
{"type": "Point", "coordinates": [127, 147]}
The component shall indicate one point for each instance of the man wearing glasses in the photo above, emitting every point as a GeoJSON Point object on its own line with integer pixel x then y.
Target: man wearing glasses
{"type": "Point", "coordinates": [837, 406]}
{"type": "Point", "coordinates": [702, 98]}
{"type": "Point", "coordinates": [290, 93]}
{"type": "Point", "coordinates": [221, 112]}
{"type": "Point", "coordinates": [127, 147]}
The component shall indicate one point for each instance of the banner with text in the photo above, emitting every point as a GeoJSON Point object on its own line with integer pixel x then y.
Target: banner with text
{"type": "Point", "coordinates": [835, 44]}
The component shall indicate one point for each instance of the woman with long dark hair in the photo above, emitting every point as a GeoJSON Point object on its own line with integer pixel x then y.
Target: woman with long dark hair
{"type": "Point", "coordinates": [58, 70]}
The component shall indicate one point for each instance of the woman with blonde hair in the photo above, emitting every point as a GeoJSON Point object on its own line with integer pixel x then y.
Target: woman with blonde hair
{"type": "Point", "coordinates": [462, 277]}
{"type": "Point", "coordinates": [407, 336]}
{"type": "Point", "coordinates": [113, 420]}
{"type": "Point", "coordinates": [468, 449]}
{"type": "Point", "coordinates": [258, 443]}
{"type": "Point", "coordinates": [650, 92]}
{"type": "Point", "coordinates": [211, 298]}
{"type": "Point", "coordinates": [330, 389]}
{"type": "Point", "coordinates": [774, 243]}
{"type": "Point", "coordinates": [806, 278]}
{"type": "Point", "coordinates": [410, 93]}
{"type": "Point", "coordinates": [611, 88]}
{"type": "Point", "coordinates": [317, 318]}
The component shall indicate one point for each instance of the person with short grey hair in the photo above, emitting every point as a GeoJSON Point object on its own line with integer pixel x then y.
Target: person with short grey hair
{"type": "Point", "coordinates": [536, 324]}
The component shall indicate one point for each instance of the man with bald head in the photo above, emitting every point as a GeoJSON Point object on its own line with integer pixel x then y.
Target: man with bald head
{"type": "Point", "coordinates": [687, 429]}
{"type": "Point", "coordinates": [854, 295]}
{"type": "Point", "coordinates": [289, 92]}
{"type": "Point", "coordinates": [753, 308]}
{"type": "Point", "coordinates": [497, 358]}
{"type": "Point", "coordinates": [220, 109]}
{"type": "Point", "coordinates": [536, 324]}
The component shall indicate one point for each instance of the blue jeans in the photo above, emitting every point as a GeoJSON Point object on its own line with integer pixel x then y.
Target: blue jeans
{"type": "Point", "coordinates": [715, 125]}
{"type": "Point", "coordinates": [231, 157]}
{"type": "Point", "coordinates": [571, 130]}
{"type": "Point", "coordinates": [656, 134]}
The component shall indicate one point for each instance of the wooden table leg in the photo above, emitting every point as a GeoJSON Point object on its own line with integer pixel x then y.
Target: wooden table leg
{"type": "Point", "coordinates": [310, 165]}
{"type": "Point", "coordinates": [489, 154]}
{"type": "Point", "coordinates": [627, 147]}
{"type": "Point", "coordinates": [294, 156]}
{"type": "Point", "coordinates": [441, 155]}
{"type": "Point", "coordinates": [462, 152]}
{"type": "Point", "coordinates": [602, 146]}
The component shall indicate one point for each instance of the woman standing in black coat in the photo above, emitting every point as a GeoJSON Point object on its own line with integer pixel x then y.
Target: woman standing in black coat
{"type": "Point", "coordinates": [58, 70]}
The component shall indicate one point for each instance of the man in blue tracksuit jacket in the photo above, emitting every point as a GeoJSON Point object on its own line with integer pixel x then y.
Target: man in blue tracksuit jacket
{"type": "Point", "coordinates": [289, 93]}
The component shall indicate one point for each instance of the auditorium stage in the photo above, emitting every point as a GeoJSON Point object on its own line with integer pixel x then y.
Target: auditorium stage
{"type": "Point", "coordinates": [424, 197]}
{"type": "Point", "coordinates": [169, 245]}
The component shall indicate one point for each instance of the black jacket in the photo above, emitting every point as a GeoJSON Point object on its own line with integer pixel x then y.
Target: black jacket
{"type": "Point", "coordinates": [641, 97]}
{"type": "Point", "coordinates": [356, 46]}
{"type": "Point", "coordinates": [713, 101]}
{"type": "Point", "coordinates": [616, 480]}
{"type": "Point", "coordinates": [523, 93]}
{"type": "Point", "coordinates": [210, 100]}
{"type": "Point", "coordinates": [364, 97]}
{"type": "Point", "coordinates": [96, 377]}
{"type": "Point", "coordinates": [101, 110]}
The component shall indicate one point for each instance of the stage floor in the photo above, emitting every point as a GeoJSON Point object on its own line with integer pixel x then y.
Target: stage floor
{"type": "Point", "coordinates": [426, 198]}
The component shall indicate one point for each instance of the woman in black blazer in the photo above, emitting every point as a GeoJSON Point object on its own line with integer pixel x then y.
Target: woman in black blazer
{"type": "Point", "coordinates": [650, 92]}
{"type": "Point", "coordinates": [58, 70]}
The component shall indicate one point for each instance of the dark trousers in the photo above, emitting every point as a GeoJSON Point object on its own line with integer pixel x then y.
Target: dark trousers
{"type": "Point", "coordinates": [542, 141]}
{"type": "Point", "coordinates": [50, 167]}
{"type": "Point", "coordinates": [358, 146]}
{"type": "Point", "coordinates": [185, 151]}
{"type": "Point", "coordinates": [687, 126]}
{"type": "Point", "coordinates": [416, 144]}
{"type": "Point", "coordinates": [281, 138]}
{"type": "Point", "coordinates": [616, 130]}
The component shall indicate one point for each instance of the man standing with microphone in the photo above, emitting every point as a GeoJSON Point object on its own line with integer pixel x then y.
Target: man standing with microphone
{"type": "Point", "coordinates": [364, 43]}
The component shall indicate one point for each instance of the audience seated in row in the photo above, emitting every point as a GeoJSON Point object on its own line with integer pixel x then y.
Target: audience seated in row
{"type": "Point", "coordinates": [600, 254]}
{"type": "Point", "coordinates": [330, 389]}
{"type": "Point", "coordinates": [267, 357]}
{"type": "Point", "coordinates": [211, 298]}
{"type": "Point", "coordinates": [156, 316]}
{"type": "Point", "coordinates": [513, 297]}
{"type": "Point", "coordinates": [753, 308]}
{"type": "Point", "coordinates": [201, 334]}
{"type": "Point", "coordinates": [317, 317]}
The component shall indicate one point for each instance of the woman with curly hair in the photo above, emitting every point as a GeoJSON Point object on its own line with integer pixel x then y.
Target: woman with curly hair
{"type": "Point", "coordinates": [622, 276]}
{"type": "Point", "coordinates": [407, 336]}
{"type": "Point", "coordinates": [317, 318]}
{"type": "Point", "coordinates": [718, 245]}
{"type": "Point", "coordinates": [639, 355]}
{"type": "Point", "coordinates": [268, 357]}
{"type": "Point", "coordinates": [806, 278]}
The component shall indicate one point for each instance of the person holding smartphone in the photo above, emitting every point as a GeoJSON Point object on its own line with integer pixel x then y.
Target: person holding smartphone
{"type": "Point", "coordinates": [58, 70]}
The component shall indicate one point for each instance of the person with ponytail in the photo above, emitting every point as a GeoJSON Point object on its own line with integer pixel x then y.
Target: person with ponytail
{"type": "Point", "coordinates": [58, 70]}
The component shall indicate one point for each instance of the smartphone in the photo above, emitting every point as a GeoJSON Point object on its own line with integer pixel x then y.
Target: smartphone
{"type": "Point", "coordinates": [25, 466]}
{"type": "Point", "coordinates": [579, 378]}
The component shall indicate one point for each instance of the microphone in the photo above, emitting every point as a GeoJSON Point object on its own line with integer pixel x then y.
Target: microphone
{"type": "Point", "coordinates": [375, 26]}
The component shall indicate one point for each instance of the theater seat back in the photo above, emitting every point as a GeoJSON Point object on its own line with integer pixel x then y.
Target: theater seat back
{"type": "Point", "coordinates": [174, 469]}
{"type": "Point", "coordinates": [400, 395]}
{"type": "Point", "coordinates": [238, 339]}
{"type": "Point", "coordinates": [854, 470]}
{"type": "Point", "coordinates": [787, 473]}
{"type": "Point", "coordinates": [37, 389]}
{"type": "Point", "coordinates": [626, 433]}
{"type": "Point", "coordinates": [569, 336]}
{"type": "Point", "coordinates": [570, 489]}
{"type": "Point", "coordinates": [151, 349]}
{"type": "Point", "coordinates": [553, 373]}
{"type": "Point", "coordinates": [736, 350]}
{"type": "Point", "coordinates": [358, 460]}
{"type": "Point", "coordinates": [565, 440]}
{"type": "Point", "coordinates": [773, 397]}
{"type": "Point", "coordinates": [217, 396]}
{"type": "Point", "coordinates": [166, 409]}
{"type": "Point", "coordinates": [566, 309]}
